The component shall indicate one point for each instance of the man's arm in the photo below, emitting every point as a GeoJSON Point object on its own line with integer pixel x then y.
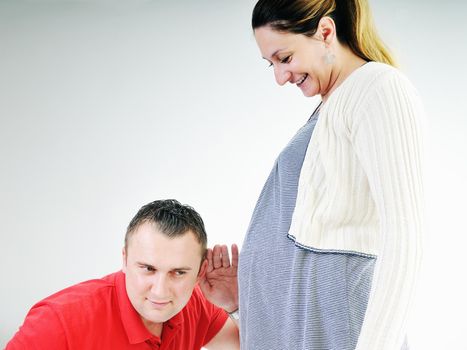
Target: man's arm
{"type": "Point", "coordinates": [220, 287]}
{"type": "Point", "coordinates": [41, 329]}
{"type": "Point", "coordinates": [226, 339]}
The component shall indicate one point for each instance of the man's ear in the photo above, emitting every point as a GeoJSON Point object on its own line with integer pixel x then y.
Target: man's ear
{"type": "Point", "coordinates": [124, 260]}
{"type": "Point", "coordinates": [203, 269]}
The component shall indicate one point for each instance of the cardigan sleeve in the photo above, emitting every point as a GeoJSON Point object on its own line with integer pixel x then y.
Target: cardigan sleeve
{"type": "Point", "coordinates": [387, 139]}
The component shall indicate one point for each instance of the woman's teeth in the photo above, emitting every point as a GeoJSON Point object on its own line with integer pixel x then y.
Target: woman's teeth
{"type": "Point", "coordinates": [302, 80]}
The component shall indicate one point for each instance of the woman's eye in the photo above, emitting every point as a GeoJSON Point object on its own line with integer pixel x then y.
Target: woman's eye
{"type": "Point", "coordinates": [286, 59]}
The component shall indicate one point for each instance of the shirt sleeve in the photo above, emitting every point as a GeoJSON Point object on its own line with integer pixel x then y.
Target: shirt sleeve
{"type": "Point", "coordinates": [211, 318]}
{"type": "Point", "coordinates": [388, 143]}
{"type": "Point", "coordinates": [41, 329]}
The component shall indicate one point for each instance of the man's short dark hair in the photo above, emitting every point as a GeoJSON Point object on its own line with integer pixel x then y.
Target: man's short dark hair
{"type": "Point", "coordinates": [172, 219]}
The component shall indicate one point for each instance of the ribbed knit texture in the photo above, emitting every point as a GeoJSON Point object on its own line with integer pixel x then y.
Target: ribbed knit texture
{"type": "Point", "coordinates": [360, 191]}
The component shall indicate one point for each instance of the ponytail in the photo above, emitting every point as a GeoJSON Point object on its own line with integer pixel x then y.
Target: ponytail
{"type": "Point", "coordinates": [359, 31]}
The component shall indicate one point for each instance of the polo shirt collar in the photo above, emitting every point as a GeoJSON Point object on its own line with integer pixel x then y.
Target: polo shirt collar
{"type": "Point", "coordinates": [134, 327]}
{"type": "Point", "coordinates": [176, 321]}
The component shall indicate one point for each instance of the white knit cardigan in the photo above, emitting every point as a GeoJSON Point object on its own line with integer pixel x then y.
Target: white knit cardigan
{"type": "Point", "coordinates": [360, 191]}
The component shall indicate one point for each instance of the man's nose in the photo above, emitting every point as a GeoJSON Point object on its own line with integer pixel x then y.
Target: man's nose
{"type": "Point", "coordinates": [160, 285]}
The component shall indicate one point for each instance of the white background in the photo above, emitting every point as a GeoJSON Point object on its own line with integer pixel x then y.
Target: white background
{"type": "Point", "coordinates": [107, 105]}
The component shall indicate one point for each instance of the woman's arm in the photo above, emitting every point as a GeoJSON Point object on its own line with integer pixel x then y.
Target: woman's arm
{"type": "Point", "coordinates": [388, 143]}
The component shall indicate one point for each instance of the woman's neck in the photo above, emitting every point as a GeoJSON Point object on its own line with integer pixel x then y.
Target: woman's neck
{"type": "Point", "coordinates": [346, 63]}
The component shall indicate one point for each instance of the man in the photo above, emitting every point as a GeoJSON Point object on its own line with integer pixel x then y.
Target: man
{"type": "Point", "coordinates": [154, 302]}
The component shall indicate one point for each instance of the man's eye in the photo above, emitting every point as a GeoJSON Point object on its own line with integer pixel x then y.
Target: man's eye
{"type": "Point", "coordinates": [149, 268]}
{"type": "Point", "coordinates": [179, 273]}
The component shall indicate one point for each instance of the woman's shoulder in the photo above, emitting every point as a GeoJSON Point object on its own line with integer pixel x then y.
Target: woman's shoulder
{"type": "Point", "coordinates": [382, 74]}
{"type": "Point", "coordinates": [361, 81]}
{"type": "Point", "coordinates": [373, 85]}
{"type": "Point", "coordinates": [374, 78]}
{"type": "Point", "coordinates": [376, 72]}
{"type": "Point", "coordinates": [382, 85]}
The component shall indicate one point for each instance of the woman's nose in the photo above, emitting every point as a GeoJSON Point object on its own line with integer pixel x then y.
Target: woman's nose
{"type": "Point", "coordinates": [282, 75]}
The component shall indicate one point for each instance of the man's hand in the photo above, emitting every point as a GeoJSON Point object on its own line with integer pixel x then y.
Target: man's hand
{"type": "Point", "coordinates": [219, 284]}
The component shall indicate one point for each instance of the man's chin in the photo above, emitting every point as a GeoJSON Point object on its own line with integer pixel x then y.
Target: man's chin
{"type": "Point", "coordinates": [154, 321]}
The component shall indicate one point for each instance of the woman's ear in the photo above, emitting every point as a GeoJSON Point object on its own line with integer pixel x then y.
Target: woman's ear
{"type": "Point", "coordinates": [327, 29]}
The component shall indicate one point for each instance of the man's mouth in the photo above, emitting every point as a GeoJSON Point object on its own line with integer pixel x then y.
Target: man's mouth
{"type": "Point", "coordinates": [159, 303]}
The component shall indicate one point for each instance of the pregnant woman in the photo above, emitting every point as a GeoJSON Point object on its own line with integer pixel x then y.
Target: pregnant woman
{"type": "Point", "coordinates": [333, 249]}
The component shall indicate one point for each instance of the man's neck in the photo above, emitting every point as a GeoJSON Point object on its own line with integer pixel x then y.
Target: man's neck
{"type": "Point", "coordinates": [154, 328]}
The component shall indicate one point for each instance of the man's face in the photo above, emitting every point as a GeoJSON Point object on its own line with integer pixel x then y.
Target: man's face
{"type": "Point", "coordinates": [160, 273]}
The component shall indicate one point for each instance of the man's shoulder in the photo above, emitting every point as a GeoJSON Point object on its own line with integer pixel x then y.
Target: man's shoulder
{"type": "Point", "coordinates": [199, 307]}
{"type": "Point", "coordinates": [75, 317]}
{"type": "Point", "coordinates": [197, 298]}
{"type": "Point", "coordinates": [84, 294]}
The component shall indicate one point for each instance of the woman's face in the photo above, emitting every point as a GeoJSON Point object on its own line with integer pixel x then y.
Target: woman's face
{"type": "Point", "coordinates": [296, 58]}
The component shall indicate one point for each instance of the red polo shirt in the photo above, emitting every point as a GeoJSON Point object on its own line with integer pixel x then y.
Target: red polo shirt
{"type": "Point", "coordinates": [97, 314]}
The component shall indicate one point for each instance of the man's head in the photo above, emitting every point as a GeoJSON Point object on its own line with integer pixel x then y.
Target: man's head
{"type": "Point", "coordinates": [163, 259]}
{"type": "Point", "coordinates": [171, 219]}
